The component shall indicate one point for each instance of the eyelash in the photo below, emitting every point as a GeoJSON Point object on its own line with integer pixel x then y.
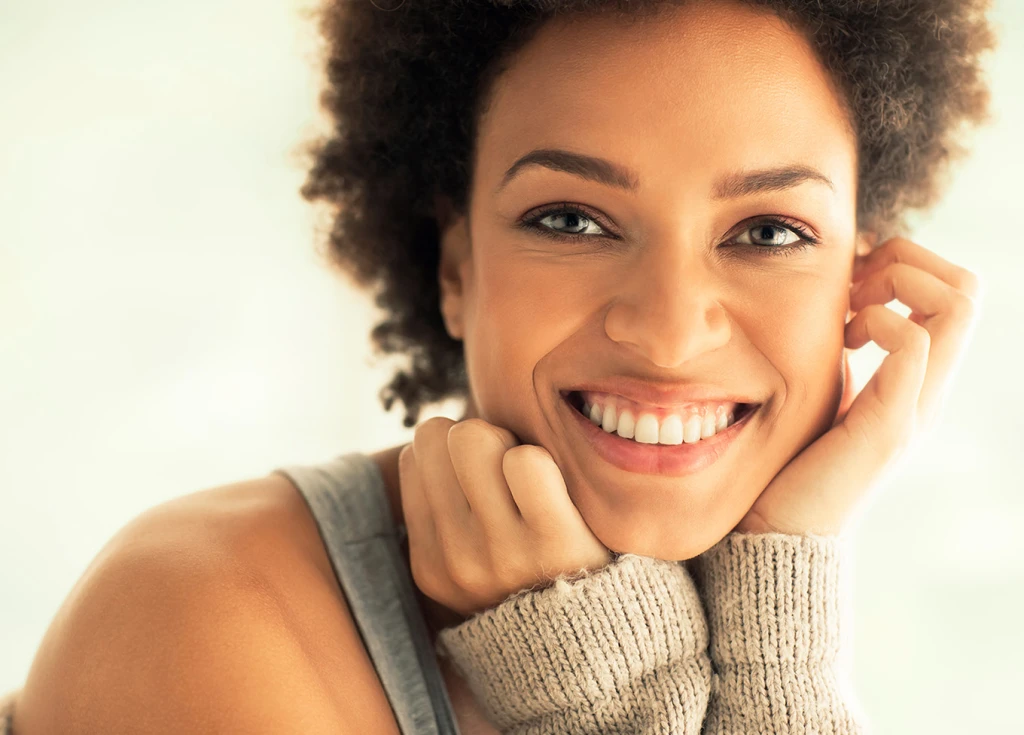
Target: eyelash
{"type": "Point", "coordinates": [806, 238]}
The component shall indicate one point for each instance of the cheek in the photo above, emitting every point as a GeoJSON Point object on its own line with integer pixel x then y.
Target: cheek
{"type": "Point", "coordinates": [801, 335]}
{"type": "Point", "coordinates": [518, 312]}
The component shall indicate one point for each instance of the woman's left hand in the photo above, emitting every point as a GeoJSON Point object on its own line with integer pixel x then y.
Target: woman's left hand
{"type": "Point", "coordinates": [819, 490]}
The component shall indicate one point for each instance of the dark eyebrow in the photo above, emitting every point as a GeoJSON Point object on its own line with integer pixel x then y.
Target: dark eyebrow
{"type": "Point", "coordinates": [730, 186]}
{"type": "Point", "coordinates": [587, 167]}
{"type": "Point", "coordinates": [744, 183]}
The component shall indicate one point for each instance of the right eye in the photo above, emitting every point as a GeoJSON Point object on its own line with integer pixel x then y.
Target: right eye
{"type": "Point", "coordinates": [576, 219]}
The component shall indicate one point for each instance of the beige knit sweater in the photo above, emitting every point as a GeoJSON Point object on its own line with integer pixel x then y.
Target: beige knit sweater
{"type": "Point", "coordinates": [753, 642]}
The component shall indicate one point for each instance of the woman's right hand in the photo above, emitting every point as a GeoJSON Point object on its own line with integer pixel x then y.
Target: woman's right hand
{"type": "Point", "coordinates": [487, 516]}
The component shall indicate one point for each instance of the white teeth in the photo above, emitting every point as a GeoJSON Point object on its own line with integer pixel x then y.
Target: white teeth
{"type": "Point", "coordinates": [626, 424]}
{"type": "Point", "coordinates": [671, 430]}
{"type": "Point", "coordinates": [646, 431]}
{"type": "Point", "coordinates": [707, 427]}
{"type": "Point", "coordinates": [691, 433]}
{"type": "Point", "coordinates": [608, 419]}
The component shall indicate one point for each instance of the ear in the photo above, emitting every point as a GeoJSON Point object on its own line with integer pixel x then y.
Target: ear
{"type": "Point", "coordinates": [866, 242]}
{"type": "Point", "coordinates": [455, 253]}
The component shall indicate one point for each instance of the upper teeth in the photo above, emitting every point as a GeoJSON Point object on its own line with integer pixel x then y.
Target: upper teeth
{"type": "Point", "coordinates": [690, 426]}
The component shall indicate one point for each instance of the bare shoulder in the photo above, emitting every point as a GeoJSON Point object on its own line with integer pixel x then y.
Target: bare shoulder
{"type": "Point", "coordinates": [215, 612]}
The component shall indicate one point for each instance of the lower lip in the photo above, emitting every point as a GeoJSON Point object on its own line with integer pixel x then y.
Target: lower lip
{"type": "Point", "coordinates": [673, 460]}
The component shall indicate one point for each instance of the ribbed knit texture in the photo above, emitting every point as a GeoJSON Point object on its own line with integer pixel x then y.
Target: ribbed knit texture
{"type": "Point", "coordinates": [619, 650]}
{"type": "Point", "coordinates": [776, 617]}
{"type": "Point", "coordinates": [749, 645]}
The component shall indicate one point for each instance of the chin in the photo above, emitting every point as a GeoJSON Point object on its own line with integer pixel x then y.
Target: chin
{"type": "Point", "coordinates": [662, 536]}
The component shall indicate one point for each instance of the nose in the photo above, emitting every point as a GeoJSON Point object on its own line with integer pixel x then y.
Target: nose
{"type": "Point", "coordinates": [666, 308]}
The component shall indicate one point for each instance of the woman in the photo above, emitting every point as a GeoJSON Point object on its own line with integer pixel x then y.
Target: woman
{"type": "Point", "coordinates": [640, 240]}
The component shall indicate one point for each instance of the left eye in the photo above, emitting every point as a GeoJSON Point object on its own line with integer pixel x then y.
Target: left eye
{"type": "Point", "coordinates": [576, 223]}
{"type": "Point", "coordinates": [768, 234]}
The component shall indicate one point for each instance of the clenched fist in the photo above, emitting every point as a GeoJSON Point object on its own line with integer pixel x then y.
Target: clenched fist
{"type": "Point", "coordinates": [486, 516]}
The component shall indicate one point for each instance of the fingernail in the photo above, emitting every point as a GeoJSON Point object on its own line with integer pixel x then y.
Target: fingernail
{"type": "Point", "coordinates": [856, 287]}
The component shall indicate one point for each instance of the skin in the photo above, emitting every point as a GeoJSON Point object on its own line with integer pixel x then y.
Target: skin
{"type": "Point", "coordinates": [672, 298]}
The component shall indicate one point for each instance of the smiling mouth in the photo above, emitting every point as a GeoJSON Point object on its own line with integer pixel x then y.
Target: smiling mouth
{"type": "Point", "coordinates": [665, 445]}
{"type": "Point", "coordinates": [660, 438]}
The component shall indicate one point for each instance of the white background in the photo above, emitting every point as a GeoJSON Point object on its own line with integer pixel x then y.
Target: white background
{"type": "Point", "coordinates": [166, 326]}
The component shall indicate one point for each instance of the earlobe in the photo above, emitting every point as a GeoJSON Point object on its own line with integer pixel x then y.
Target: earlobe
{"type": "Point", "coordinates": [454, 253]}
{"type": "Point", "coordinates": [866, 242]}
{"type": "Point", "coordinates": [864, 245]}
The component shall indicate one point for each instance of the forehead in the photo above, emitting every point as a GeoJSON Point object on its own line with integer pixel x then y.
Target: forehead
{"type": "Point", "coordinates": [697, 88]}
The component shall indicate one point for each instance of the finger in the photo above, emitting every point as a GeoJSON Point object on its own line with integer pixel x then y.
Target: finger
{"type": "Point", "coordinates": [924, 293]}
{"type": "Point", "coordinates": [437, 477]}
{"type": "Point", "coordinates": [539, 490]}
{"type": "Point", "coordinates": [901, 250]}
{"type": "Point", "coordinates": [476, 448]}
{"type": "Point", "coordinates": [945, 312]}
{"type": "Point", "coordinates": [419, 522]}
{"type": "Point", "coordinates": [889, 400]}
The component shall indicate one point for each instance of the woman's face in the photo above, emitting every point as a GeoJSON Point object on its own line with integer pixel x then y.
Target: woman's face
{"type": "Point", "coordinates": [676, 281]}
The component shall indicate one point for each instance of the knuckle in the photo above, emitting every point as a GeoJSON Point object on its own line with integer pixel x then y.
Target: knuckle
{"type": "Point", "coordinates": [435, 425]}
{"type": "Point", "coordinates": [431, 431]}
{"type": "Point", "coordinates": [969, 282]}
{"type": "Point", "coordinates": [526, 454]}
{"type": "Point", "coordinates": [470, 577]}
{"type": "Point", "coordinates": [917, 337]}
{"type": "Point", "coordinates": [468, 427]}
{"type": "Point", "coordinates": [431, 579]}
{"type": "Point", "coordinates": [477, 431]}
{"type": "Point", "coordinates": [962, 308]}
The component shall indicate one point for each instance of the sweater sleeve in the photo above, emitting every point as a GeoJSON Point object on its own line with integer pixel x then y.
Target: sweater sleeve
{"type": "Point", "coordinates": [777, 619]}
{"type": "Point", "coordinates": [621, 649]}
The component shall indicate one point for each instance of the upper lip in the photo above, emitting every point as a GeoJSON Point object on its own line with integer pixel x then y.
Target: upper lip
{"type": "Point", "coordinates": [662, 394]}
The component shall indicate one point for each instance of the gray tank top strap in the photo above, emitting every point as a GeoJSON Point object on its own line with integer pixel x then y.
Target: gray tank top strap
{"type": "Point", "coordinates": [348, 499]}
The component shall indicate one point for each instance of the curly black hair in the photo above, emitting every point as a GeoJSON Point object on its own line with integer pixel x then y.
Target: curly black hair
{"type": "Point", "coordinates": [408, 79]}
